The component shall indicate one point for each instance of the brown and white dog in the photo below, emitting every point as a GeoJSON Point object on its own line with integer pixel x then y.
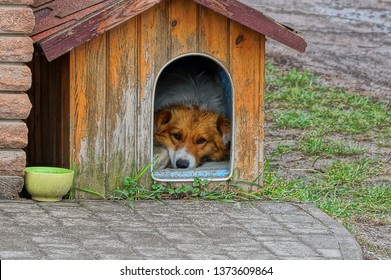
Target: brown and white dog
{"type": "Point", "coordinates": [190, 126]}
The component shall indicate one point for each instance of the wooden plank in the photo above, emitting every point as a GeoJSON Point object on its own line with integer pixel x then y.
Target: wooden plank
{"type": "Point", "coordinates": [121, 108]}
{"type": "Point", "coordinates": [33, 119]}
{"type": "Point", "coordinates": [214, 41]}
{"type": "Point", "coordinates": [257, 21]}
{"type": "Point", "coordinates": [214, 35]}
{"type": "Point", "coordinates": [48, 143]}
{"type": "Point", "coordinates": [153, 55]}
{"type": "Point", "coordinates": [64, 149]}
{"type": "Point", "coordinates": [92, 26]}
{"type": "Point", "coordinates": [261, 127]}
{"type": "Point", "coordinates": [49, 115]}
{"type": "Point", "coordinates": [245, 50]}
{"type": "Point", "coordinates": [40, 129]}
{"type": "Point", "coordinates": [184, 29]}
{"type": "Point", "coordinates": [87, 114]}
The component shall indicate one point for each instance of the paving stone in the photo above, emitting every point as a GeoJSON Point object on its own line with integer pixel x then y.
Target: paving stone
{"type": "Point", "coordinates": [290, 249]}
{"type": "Point", "coordinates": [252, 255]}
{"type": "Point", "coordinates": [182, 234]}
{"type": "Point", "coordinates": [320, 241]}
{"type": "Point", "coordinates": [307, 228]}
{"type": "Point", "coordinates": [331, 254]}
{"type": "Point", "coordinates": [208, 230]}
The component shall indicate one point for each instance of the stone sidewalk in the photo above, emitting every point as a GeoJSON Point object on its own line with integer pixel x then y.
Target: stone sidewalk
{"type": "Point", "coordinates": [176, 230]}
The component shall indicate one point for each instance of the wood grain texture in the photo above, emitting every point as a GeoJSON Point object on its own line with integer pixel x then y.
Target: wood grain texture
{"type": "Point", "coordinates": [184, 27]}
{"type": "Point", "coordinates": [257, 21]}
{"type": "Point", "coordinates": [48, 121]}
{"type": "Point", "coordinates": [92, 26]}
{"type": "Point", "coordinates": [214, 35]}
{"type": "Point", "coordinates": [245, 65]}
{"type": "Point", "coordinates": [261, 119]}
{"type": "Point", "coordinates": [153, 54]}
{"type": "Point", "coordinates": [121, 124]}
{"type": "Point", "coordinates": [66, 35]}
{"type": "Point", "coordinates": [87, 114]}
{"type": "Point", "coordinates": [34, 120]}
{"type": "Point", "coordinates": [105, 94]}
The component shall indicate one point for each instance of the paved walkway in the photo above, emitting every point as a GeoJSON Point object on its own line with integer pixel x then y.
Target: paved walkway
{"type": "Point", "coordinates": [176, 230]}
{"type": "Point", "coordinates": [346, 42]}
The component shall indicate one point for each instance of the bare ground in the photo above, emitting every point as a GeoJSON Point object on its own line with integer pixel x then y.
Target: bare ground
{"type": "Point", "coordinates": [349, 45]}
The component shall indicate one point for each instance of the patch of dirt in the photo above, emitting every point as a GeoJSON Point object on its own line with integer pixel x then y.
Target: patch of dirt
{"type": "Point", "coordinates": [374, 239]}
{"type": "Point", "coordinates": [348, 41]}
{"type": "Point", "coordinates": [349, 45]}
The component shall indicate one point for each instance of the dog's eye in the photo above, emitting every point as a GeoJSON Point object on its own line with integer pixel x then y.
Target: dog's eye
{"type": "Point", "coordinates": [201, 141]}
{"type": "Point", "coordinates": [177, 136]}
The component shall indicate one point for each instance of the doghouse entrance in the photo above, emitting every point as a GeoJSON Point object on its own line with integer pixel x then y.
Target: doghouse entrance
{"type": "Point", "coordinates": [212, 170]}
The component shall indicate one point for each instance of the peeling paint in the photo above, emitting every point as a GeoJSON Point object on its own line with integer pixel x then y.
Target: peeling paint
{"type": "Point", "coordinates": [99, 142]}
{"type": "Point", "coordinates": [146, 56]}
{"type": "Point", "coordinates": [83, 151]}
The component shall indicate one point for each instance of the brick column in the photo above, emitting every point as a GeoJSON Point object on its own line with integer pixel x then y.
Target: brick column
{"type": "Point", "coordinates": [16, 48]}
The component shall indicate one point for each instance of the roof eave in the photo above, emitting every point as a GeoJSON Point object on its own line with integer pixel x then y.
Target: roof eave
{"type": "Point", "coordinates": [120, 11]}
{"type": "Point", "coordinates": [91, 26]}
{"type": "Point", "coordinates": [257, 21]}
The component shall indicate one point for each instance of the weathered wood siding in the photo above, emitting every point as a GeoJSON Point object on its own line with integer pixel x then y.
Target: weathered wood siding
{"type": "Point", "coordinates": [48, 122]}
{"type": "Point", "coordinates": [246, 65]}
{"type": "Point", "coordinates": [88, 97]}
{"type": "Point", "coordinates": [111, 89]}
{"type": "Point", "coordinates": [121, 109]}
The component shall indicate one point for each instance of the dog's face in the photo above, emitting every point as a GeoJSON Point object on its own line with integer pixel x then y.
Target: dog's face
{"type": "Point", "coordinates": [192, 136]}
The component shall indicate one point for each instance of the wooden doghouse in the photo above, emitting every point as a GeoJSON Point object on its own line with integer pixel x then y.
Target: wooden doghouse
{"type": "Point", "coordinates": [96, 65]}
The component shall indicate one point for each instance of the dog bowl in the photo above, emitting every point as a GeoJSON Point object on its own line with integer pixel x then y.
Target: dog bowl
{"type": "Point", "coordinates": [48, 183]}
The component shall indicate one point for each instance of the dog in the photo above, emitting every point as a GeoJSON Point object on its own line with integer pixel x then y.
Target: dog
{"type": "Point", "coordinates": [190, 126]}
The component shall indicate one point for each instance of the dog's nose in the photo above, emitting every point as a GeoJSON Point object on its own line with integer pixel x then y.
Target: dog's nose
{"type": "Point", "coordinates": [182, 163]}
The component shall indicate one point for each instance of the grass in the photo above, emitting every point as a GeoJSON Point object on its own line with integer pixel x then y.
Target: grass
{"type": "Point", "coordinates": [312, 145]}
{"type": "Point", "coordinates": [338, 125]}
{"type": "Point", "coordinates": [322, 115]}
{"type": "Point", "coordinates": [328, 121]}
{"type": "Point", "coordinates": [134, 189]}
{"type": "Point", "coordinates": [340, 191]}
{"type": "Point", "coordinates": [298, 101]}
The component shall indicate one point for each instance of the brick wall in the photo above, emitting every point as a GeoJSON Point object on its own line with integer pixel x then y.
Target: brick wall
{"type": "Point", "coordinates": [16, 48]}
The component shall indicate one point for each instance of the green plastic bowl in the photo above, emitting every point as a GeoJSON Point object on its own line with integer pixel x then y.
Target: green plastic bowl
{"type": "Point", "coordinates": [48, 183]}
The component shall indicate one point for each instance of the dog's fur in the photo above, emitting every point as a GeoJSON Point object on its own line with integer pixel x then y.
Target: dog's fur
{"type": "Point", "coordinates": [190, 123]}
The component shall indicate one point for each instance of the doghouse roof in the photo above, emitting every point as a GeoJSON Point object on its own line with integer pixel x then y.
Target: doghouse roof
{"type": "Point", "coordinates": [63, 25]}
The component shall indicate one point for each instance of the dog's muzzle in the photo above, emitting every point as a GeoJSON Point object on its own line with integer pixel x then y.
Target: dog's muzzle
{"type": "Point", "coordinates": [182, 159]}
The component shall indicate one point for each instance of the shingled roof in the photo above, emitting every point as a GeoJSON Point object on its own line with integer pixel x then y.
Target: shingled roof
{"type": "Point", "coordinates": [63, 25]}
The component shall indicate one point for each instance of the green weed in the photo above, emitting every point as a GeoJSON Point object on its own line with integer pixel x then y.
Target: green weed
{"type": "Point", "coordinates": [299, 101]}
{"type": "Point", "coordinates": [312, 145]}
{"type": "Point", "coordinates": [91, 192]}
{"type": "Point", "coordinates": [133, 190]}
{"type": "Point", "coordinates": [323, 117]}
{"type": "Point", "coordinates": [340, 191]}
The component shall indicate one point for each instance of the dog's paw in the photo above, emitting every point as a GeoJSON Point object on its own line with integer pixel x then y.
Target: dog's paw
{"type": "Point", "coordinates": [161, 157]}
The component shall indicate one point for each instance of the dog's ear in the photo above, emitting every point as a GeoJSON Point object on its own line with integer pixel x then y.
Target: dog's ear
{"type": "Point", "coordinates": [162, 117]}
{"type": "Point", "coordinates": [224, 127]}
